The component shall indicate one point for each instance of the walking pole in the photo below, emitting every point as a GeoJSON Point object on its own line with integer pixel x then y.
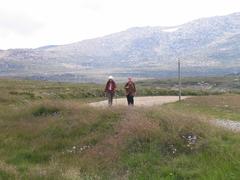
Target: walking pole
{"type": "Point", "coordinates": [116, 97]}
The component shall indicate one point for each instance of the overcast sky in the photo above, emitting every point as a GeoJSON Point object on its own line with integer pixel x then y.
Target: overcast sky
{"type": "Point", "coordinates": [34, 23]}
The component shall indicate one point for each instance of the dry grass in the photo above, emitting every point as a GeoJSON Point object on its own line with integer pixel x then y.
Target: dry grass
{"type": "Point", "coordinates": [9, 169]}
{"type": "Point", "coordinates": [230, 101]}
{"type": "Point", "coordinates": [220, 107]}
{"type": "Point", "coordinates": [133, 124]}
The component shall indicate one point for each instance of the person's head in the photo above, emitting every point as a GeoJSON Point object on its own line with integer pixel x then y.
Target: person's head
{"type": "Point", "coordinates": [110, 78]}
{"type": "Point", "coordinates": [129, 79]}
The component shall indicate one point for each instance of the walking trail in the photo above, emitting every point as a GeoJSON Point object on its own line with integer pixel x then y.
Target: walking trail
{"type": "Point", "coordinates": [141, 101]}
{"type": "Point", "coordinates": [159, 100]}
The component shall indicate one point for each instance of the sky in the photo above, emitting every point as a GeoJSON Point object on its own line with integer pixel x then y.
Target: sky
{"type": "Point", "coordinates": [36, 23]}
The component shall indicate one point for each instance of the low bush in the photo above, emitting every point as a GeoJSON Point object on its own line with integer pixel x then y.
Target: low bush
{"type": "Point", "coordinates": [45, 111]}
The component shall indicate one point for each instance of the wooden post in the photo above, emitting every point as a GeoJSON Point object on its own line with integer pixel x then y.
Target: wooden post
{"type": "Point", "coordinates": [179, 80]}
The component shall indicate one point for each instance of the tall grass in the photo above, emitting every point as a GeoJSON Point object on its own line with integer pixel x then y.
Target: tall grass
{"type": "Point", "coordinates": [63, 138]}
{"type": "Point", "coordinates": [164, 152]}
{"type": "Point", "coordinates": [40, 133]}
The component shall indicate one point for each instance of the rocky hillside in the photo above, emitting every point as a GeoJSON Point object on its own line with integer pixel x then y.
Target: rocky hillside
{"type": "Point", "coordinates": [205, 46]}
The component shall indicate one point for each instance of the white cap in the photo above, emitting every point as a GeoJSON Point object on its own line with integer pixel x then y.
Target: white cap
{"type": "Point", "coordinates": [110, 77]}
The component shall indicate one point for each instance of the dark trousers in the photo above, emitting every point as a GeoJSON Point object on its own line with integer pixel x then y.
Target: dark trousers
{"type": "Point", "coordinates": [110, 98]}
{"type": "Point", "coordinates": [130, 99]}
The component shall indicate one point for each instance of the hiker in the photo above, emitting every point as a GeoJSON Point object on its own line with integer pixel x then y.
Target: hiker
{"type": "Point", "coordinates": [130, 91]}
{"type": "Point", "coordinates": [110, 90]}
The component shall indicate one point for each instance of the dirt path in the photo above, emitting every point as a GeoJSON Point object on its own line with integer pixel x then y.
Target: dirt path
{"type": "Point", "coordinates": [141, 101]}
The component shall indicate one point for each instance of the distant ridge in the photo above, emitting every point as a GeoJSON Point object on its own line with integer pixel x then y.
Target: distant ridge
{"type": "Point", "coordinates": [46, 47]}
{"type": "Point", "coordinates": [207, 46]}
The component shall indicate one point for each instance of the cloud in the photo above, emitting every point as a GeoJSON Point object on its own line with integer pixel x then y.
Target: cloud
{"type": "Point", "coordinates": [18, 24]}
{"type": "Point", "coordinates": [94, 5]}
{"type": "Point", "coordinates": [29, 23]}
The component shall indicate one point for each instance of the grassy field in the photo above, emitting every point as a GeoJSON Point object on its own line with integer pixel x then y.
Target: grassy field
{"type": "Point", "coordinates": [197, 85]}
{"type": "Point", "coordinates": [215, 107]}
{"type": "Point", "coordinates": [48, 132]}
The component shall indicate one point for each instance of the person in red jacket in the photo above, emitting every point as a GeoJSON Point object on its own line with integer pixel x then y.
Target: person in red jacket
{"type": "Point", "coordinates": [110, 90]}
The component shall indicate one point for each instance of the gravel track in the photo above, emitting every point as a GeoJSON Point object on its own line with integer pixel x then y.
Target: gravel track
{"type": "Point", "coordinates": [141, 101]}
{"type": "Point", "coordinates": [228, 124]}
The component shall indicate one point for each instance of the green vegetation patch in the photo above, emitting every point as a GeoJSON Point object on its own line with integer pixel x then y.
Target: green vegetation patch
{"type": "Point", "coordinates": [45, 111]}
{"type": "Point", "coordinates": [29, 157]}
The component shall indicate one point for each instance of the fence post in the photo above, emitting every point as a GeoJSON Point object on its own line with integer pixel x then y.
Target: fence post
{"type": "Point", "coordinates": [179, 80]}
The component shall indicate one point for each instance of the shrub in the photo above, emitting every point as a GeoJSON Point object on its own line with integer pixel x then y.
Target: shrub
{"type": "Point", "coordinates": [45, 111]}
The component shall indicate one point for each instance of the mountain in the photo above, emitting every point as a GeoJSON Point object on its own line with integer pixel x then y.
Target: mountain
{"type": "Point", "coordinates": [208, 46]}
